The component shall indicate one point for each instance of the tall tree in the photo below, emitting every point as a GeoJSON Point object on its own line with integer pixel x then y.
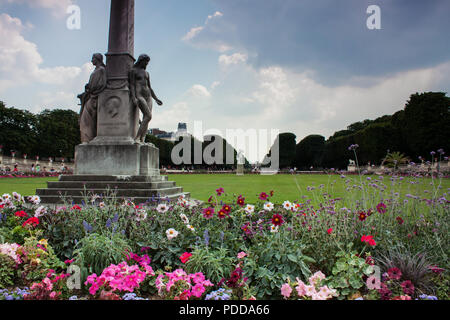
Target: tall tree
{"type": "Point", "coordinates": [309, 151]}
{"type": "Point", "coordinates": [426, 125]}
{"type": "Point", "coordinates": [58, 133]}
{"type": "Point", "coordinates": [18, 130]}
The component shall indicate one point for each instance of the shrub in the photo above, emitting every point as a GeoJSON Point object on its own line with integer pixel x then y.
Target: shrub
{"type": "Point", "coordinates": [7, 271]}
{"type": "Point", "coordinates": [96, 252]}
{"type": "Point", "coordinates": [214, 263]}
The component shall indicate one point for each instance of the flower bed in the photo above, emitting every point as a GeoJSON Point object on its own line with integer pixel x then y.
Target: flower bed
{"type": "Point", "coordinates": [370, 244]}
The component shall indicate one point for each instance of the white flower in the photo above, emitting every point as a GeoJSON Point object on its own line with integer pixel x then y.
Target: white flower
{"type": "Point", "coordinates": [102, 205]}
{"type": "Point", "coordinates": [35, 199]}
{"type": "Point", "coordinates": [296, 207]}
{"type": "Point", "coordinates": [16, 196]}
{"type": "Point", "coordinates": [287, 205]}
{"type": "Point", "coordinates": [141, 215]}
{"type": "Point", "coordinates": [190, 228]}
{"type": "Point", "coordinates": [268, 206]}
{"type": "Point", "coordinates": [40, 212]}
{"type": "Point", "coordinates": [273, 228]}
{"type": "Point", "coordinates": [6, 196]}
{"type": "Point", "coordinates": [249, 208]}
{"type": "Point", "coordinates": [184, 218]}
{"type": "Point", "coordinates": [162, 208]}
{"type": "Point", "coordinates": [171, 233]}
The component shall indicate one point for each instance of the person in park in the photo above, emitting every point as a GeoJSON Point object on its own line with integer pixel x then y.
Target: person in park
{"type": "Point", "coordinates": [142, 94]}
{"type": "Point", "coordinates": [89, 99]}
{"type": "Point", "coordinates": [32, 167]}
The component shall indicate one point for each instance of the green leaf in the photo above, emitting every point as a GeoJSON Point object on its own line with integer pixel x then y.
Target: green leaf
{"type": "Point", "coordinates": [292, 258]}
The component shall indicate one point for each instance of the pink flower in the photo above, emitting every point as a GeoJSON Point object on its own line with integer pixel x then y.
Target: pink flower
{"type": "Point", "coordinates": [198, 290]}
{"type": "Point", "coordinates": [330, 230]}
{"type": "Point", "coordinates": [241, 255]}
{"type": "Point", "coordinates": [301, 288]}
{"type": "Point", "coordinates": [286, 290]}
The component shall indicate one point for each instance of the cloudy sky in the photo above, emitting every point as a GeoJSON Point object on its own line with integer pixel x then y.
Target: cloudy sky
{"type": "Point", "coordinates": [301, 66]}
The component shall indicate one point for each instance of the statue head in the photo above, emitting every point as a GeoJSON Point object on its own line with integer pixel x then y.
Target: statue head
{"type": "Point", "coordinates": [97, 59]}
{"type": "Point", "coordinates": [142, 61]}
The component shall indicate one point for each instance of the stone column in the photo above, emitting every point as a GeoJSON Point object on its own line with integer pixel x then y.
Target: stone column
{"type": "Point", "coordinates": [118, 119]}
{"type": "Point", "coordinates": [113, 151]}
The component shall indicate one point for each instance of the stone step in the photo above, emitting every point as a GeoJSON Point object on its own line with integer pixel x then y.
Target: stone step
{"type": "Point", "coordinates": [118, 193]}
{"type": "Point", "coordinates": [108, 185]}
{"type": "Point", "coordinates": [112, 178]}
{"type": "Point", "coordinates": [52, 199]}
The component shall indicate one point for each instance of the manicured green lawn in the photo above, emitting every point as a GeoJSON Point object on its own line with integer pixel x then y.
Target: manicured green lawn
{"type": "Point", "coordinates": [286, 187]}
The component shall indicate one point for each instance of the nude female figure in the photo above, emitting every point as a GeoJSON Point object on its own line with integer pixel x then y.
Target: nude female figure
{"type": "Point", "coordinates": [142, 94]}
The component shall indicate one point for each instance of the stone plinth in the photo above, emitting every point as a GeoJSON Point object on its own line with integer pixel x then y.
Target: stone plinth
{"type": "Point", "coordinates": [139, 189]}
{"type": "Point", "coordinates": [117, 160]}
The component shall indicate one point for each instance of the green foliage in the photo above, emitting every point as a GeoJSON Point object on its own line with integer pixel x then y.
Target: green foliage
{"type": "Point", "coordinates": [272, 261]}
{"type": "Point", "coordinates": [95, 252]}
{"type": "Point", "coordinates": [7, 271]}
{"type": "Point", "coordinates": [309, 152]}
{"type": "Point", "coordinates": [347, 273]}
{"type": "Point", "coordinates": [441, 285]}
{"type": "Point", "coordinates": [286, 149]}
{"type": "Point", "coordinates": [58, 133]}
{"type": "Point", "coordinates": [49, 134]}
{"type": "Point", "coordinates": [426, 124]}
{"type": "Point", "coordinates": [215, 264]}
{"type": "Point", "coordinates": [18, 130]}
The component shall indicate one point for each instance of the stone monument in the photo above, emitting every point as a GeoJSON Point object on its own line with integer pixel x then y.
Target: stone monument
{"type": "Point", "coordinates": [113, 153]}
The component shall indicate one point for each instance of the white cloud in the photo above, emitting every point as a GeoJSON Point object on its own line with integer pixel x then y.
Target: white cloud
{"type": "Point", "coordinates": [57, 7]}
{"type": "Point", "coordinates": [196, 35]}
{"type": "Point", "coordinates": [192, 33]}
{"type": "Point", "coordinates": [199, 91]}
{"type": "Point", "coordinates": [21, 65]}
{"type": "Point", "coordinates": [229, 60]}
{"type": "Point", "coordinates": [167, 118]}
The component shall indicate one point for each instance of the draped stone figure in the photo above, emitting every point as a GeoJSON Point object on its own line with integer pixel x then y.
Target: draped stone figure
{"type": "Point", "coordinates": [142, 94]}
{"type": "Point", "coordinates": [89, 99]}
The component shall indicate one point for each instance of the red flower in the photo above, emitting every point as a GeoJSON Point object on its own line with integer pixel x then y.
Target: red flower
{"type": "Point", "coordinates": [241, 201]}
{"type": "Point", "coordinates": [208, 213]}
{"type": "Point", "coordinates": [394, 273]}
{"type": "Point", "coordinates": [277, 220]}
{"type": "Point", "coordinates": [399, 220]}
{"type": "Point", "coordinates": [32, 222]}
{"type": "Point", "coordinates": [408, 287]}
{"type": "Point", "coordinates": [263, 196]}
{"type": "Point", "coordinates": [76, 207]}
{"type": "Point", "coordinates": [381, 207]}
{"type": "Point", "coordinates": [185, 257]}
{"type": "Point", "coordinates": [220, 191]}
{"type": "Point", "coordinates": [370, 261]}
{"type": "Point", "coordinates": [271, 193]}
{"type": "Point", "coordinates": [436, 269]}
{"type": "Point", "coordinates": [362, 215]}
{"type": "Point", "coordinates": [330, 230]}
{"type": "Point", "coordinates": [369, 240]}
{"type": "Point", "coordinates": [21, 214]}
{"type": "Point", "coordinates": [226, 208]}
{"type": "Point", "coordinates": [222, 214]}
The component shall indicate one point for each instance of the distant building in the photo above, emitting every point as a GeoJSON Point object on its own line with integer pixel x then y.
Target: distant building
{"type": "Point", "coordinates": [171, 136]}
